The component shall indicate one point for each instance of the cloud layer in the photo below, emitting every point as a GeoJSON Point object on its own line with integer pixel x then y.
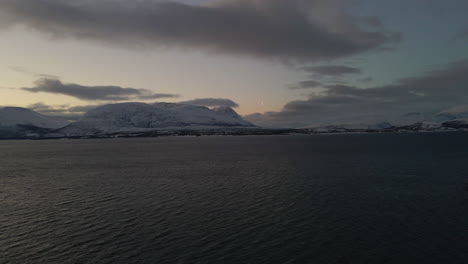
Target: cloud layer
{"type": "Point", "coordinates": [299, 30]}
{"type": "Point", "coordinates": [332, 70]}
{"type": "Point", "coordinates": [431, 92]}
{"type": "Point", "coordinates": [309, 84]}
{"type": "Point", "coordinates": [211, 102]}
{"type": "Point", "coordinates": [94, 93]}
{"type": "Point", "coordinates": [71, 113]}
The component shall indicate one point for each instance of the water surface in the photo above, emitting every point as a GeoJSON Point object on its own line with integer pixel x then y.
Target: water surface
{"type": "Point", "coordinates": [375, 198]}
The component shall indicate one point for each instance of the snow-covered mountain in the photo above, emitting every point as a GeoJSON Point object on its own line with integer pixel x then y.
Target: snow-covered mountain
{"type": "Point", "coordinates": [16, 122]}
{"type": "Point", "coordinates": [452, 119]}
{"type": "Point", "coordinates": [13, 116]}
{"type": "Point", "coordinates": [139, 117]}
{"type": "Point", "coordinates": [371, 120]}
{"type": "Point", "coordinates": [455, 113]}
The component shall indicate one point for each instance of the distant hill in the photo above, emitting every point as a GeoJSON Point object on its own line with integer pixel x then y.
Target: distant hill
{"type": "Point", "coordinates": [160, 119]}
{"type": "Point", "coordinates": [16, 122]}
{"type": "Point", "coordinates": [11, 116]}
{"type": "Point", "coordinates": [370, 121]}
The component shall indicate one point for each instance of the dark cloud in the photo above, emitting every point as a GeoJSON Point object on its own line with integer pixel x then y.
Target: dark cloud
{"type": "Point", "coordinates": [65, 111]}
{"type": "Point", "coordinates": [92, 93]}
{"type": "Point", "coordinates": [81, 108]}
{"type": "Point", "coordinates": [332, 70]}
{"type": "Point", "coordinates": [47, 109]}
{"type": "Point", "coordinates": [373, 21]}
{"type": "Point", "coordinates": [306, 85]}
{"type": "Point", "coordinates": [463, 34]}
{"type": "Point", "coordinates": [429, 93]}
{"type": "Point", "coordinates": [212, 102]}
{"type": "Point", "coordinates": [365, 80]}
{"type": "Point", "coordinates": [299, 30]}
{"type": "Point", "coordinates": [50, 109]}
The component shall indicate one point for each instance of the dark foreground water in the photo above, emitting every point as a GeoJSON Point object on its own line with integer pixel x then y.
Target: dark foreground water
{"type": "Point", "coordinates": [379, 198]}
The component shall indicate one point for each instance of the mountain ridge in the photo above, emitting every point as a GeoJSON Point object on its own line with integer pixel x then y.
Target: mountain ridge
{"type": "Point", "coordinates": [140, 117]}
{"type": "Point", "coordinates": [161, 119]}
{"type": "Point", "coordinates": [11, 116]}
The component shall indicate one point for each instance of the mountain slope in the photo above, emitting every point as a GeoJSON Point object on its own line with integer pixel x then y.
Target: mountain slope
{"type": "Point", "coordinates": [136, 117]}
{"type": "Point", "coordinates": [16, 122]}
{"type": "Point", "coordinates": [12, 116]}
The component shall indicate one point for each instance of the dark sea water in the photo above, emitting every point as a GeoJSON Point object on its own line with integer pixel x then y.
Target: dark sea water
{"type": "Point", "coordinates": [376, 198]}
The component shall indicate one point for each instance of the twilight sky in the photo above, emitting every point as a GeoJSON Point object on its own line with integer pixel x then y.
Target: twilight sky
{"type": "Point", "coordinates": [296, 62]}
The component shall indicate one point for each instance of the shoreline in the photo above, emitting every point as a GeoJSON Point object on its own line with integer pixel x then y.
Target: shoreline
{"type": "Point", "coordinates": [207, 133]}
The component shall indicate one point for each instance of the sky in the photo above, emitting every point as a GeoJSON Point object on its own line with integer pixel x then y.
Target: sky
{"type": "Point", "coordinates": [289, 63]}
